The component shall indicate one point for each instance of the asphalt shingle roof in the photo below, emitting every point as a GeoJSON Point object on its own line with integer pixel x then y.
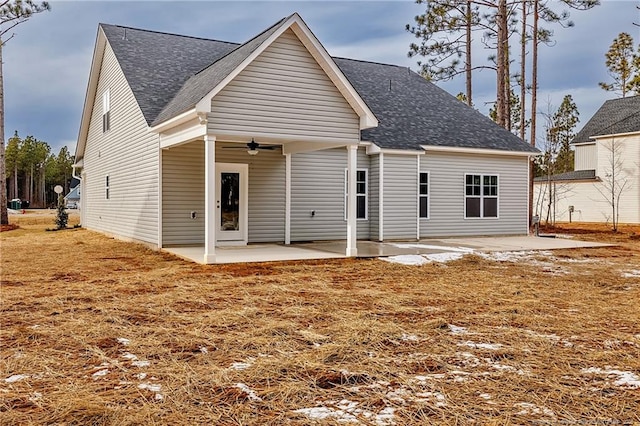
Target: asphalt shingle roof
{"type": "Point", "coordinates": [170, 73]}
{"type": "Point", "coordinates": [614, 116]}
{"type": "Point", "coordinates": [574, 175]}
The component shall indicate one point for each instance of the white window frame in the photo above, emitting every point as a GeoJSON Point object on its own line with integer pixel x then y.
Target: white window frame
{"type": "Point", "coordinates": [106, 111]}
{"type": "Point", "coordinates": [107, 187]}
{"type": "Point", "coordinates": [427, 195]}
{"type": "Point", "coordinates": [366, 194]}
{"type": "Point", "coordinates": [481, 196]}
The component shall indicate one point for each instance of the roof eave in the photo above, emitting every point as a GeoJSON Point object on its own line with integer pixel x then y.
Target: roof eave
{"type": "Point", "coordinates": [90, 95]}
{"type": "Point", "coordinates": [484, 151]}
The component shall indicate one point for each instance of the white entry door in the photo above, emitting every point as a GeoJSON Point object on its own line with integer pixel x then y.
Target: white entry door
{"type": "Point", "coordinates": [231, 203]}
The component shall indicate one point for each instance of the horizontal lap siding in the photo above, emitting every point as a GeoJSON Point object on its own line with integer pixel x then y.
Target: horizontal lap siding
{"type": "Point", "coordinates": [284, 92]}
{"type": "Point", "coordinates": [374, 198]}
{"type": "Point", "coordinates": [400, 196]}
{"type": "Point", "coordinates": [586, 157]}
{"type": "Point", "coordinates": [128, 153]}
{"type": "Point", "coordinates": [183, 192]}
{"type": "Point", "coordinates": [626, 172]}
{"type": "Point", "coordinates": [317, 184]}
{"type": "Point", "coordinates": [446, 172]}
{"type": "Point", "coordinates": [266, 190]}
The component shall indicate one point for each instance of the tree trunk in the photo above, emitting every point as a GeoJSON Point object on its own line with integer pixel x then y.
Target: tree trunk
{"type": "Point", "coordinates": [501, 21]}
{"type": "Point", "coordinates": [534, 97]}
{"type": "Point", "coordinates": [15, 181]}
{"type": "Point", "coordinates": [4, 214]}
{"type": "Point", "coordinates": [523, 69]}
{"type": "Point", "coordinates": [468, 54]}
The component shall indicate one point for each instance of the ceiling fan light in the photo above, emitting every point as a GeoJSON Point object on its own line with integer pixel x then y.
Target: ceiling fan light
{"type": "Point", "coordinates": [252, 151]}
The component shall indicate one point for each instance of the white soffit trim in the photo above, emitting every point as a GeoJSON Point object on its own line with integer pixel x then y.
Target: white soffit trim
{"type": "Point", "coordinates": [295, 22]}
{"type": "Point", "coordinates": [479, 151]}
{"type": "Point", "coordinates": [584, 143]}
{"type": "Point", "coordinates": [90, 95]}
{"type": "Point", "coordinates": [375, 149]}
{"type": "Point", "coordinates": [614, 135]}
{"type": "Point", "coordinates": [176, 121]}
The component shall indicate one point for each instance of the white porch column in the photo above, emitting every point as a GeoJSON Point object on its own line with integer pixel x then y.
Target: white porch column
{"type": "Point", "coordinates": [287, 198]}
{"type": "Point", "coordinates": [352, 165]}
{"type": "Point", "coordinates": [210, 211]}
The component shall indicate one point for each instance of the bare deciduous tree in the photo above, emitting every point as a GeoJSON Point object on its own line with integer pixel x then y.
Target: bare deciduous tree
{"type": "Point", "coordinates": [616, 179]}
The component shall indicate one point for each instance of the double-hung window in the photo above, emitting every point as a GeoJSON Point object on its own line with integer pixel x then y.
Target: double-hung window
{"type": "Point", "coordinates": [106, 187]}
{"type": "Point", "coordinates": [106, 108]}
{"type": "Point", "coordinates": [423, 195]}
{"type": "Point", "coordinates": [480, 196]}
{"type": "Point", "coordinates": [362, 193]}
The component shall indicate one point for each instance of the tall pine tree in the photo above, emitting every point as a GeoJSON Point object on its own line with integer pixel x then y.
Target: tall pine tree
{"type": "Point", "coordinates": [623, 64]}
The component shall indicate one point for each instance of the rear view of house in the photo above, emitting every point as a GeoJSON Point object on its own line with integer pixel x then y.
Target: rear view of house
{"type": "Point", "coordinates": [190, 141]}
{"type": "Point", "coordinates": [607, 169]}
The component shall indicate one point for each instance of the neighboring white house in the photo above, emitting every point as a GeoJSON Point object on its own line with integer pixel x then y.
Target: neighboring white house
{"type": "Point", "coordinates": [607, 157]}
{"type": "Point", "coordinates": [346, 149]}
{"type": "Point", "coordinates": [72, 199]}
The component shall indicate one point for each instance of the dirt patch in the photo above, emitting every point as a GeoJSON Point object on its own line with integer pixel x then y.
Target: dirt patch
{"type": "Point", "coordinates": [114, 333]}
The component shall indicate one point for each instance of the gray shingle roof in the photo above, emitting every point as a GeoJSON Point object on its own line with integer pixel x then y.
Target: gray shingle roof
{"type": "Point", "coordinates": [614, 116]}
{"type": "Point", "coordinates": [170, 73]}
{"type": "Point", "coordinates": [574, 175]}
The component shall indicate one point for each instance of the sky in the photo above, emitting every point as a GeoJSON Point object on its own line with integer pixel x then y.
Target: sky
{"type": "Point", "coordinates": [47, 62]}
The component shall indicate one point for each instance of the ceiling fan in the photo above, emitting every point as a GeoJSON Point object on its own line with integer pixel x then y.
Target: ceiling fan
{"type": "Point", "coordinates": [253, 147]}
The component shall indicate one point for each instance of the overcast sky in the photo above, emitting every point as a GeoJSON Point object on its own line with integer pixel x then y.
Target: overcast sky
{"type": "Point", "coordinates": [46, 64]}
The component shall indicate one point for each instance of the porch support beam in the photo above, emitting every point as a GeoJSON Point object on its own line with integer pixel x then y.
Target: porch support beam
{"type": "Point", "coordinates": [352, 165]}
{"type": "Point", "coordinates": [287, 198]}
{"type": "Point", "coordinates": [210, 211]}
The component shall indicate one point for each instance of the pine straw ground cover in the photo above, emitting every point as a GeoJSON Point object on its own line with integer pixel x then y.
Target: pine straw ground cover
{"type": "Point", "coordinates": [99, 331]}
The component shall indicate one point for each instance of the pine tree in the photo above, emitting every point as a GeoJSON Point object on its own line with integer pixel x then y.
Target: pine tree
{"type": "Point", "coordinates": [623, 65]}
{"type": "Point", "coordinates": [12, 13]}
{"type": "Point", "coordinates": [562, 129]}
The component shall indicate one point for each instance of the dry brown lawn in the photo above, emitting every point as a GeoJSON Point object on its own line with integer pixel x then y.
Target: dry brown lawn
{"type": "Point", "coordinates": [98, 331]}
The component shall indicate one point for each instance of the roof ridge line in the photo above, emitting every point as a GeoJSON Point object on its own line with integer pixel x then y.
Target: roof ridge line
{"type": "Point", "coordinates": [167, 33]}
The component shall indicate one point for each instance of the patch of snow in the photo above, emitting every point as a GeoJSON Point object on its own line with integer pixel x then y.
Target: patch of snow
{"type": "Point", "coordinates": [16, 378]}
{"type": "Point", "coordinates": [141, 363]}
{"type": "Point", "coordinates": [457, 330]}
{"type": "Point", "coordinates": [632, 273]}
{"type": "Point", "coordinates": [240, 365]}
{"type": "Point", "coordinates": [440, 400]}
{"type": "Point", "coordinates": [141, 376]}
{"type": "Point", "coordinates": [204, 349]}
{"type": "Point", "coordinates": [490, 346]}
{"type": "Point", "coordinates": [409, 337]}
{"type": "Point", "coordinates": [625, 379]}
{"type": "Point", "coordinates": [250, 392]}
{"type": "Point", "coordinates": [129, 356]}
{"type": "Point", "coordinates": [322, 413]}
{"type": "Point", "coordinates": [443, 257]}
{"type": "Point", "coordinates": [159, 397]}
{"type": "Point", "coordinates": [123, 341]}
{"type": "Point", "coordinates": [346, 411]}
{"type": "Point", "coordinates": [406, 259]}
{"type": "Point", "coordinates": [528, 408]}
{"type": "Point", "coordinates": [485, 396]}
{"type": "Point", "coordinates": [153, 387]}
{"type": "Point", "coordinates": [36, 396]}
{"type": "Point", "coordinates": [100, 373]}
{"type": "Point", "coordinates": [430, 247]}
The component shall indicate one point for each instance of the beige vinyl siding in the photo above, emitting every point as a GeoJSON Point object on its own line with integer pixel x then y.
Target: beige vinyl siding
{"type": "Point", "coordinates": [400, 196]}
{"type": "Point", "coordinates": [283, 92]}
{"type": "Point", "coordinates": [183, 192]}
{"type": "Point", "coordinates": [374, 197]}
{"type": "Point", "coordinates": [446, 173]}
{"type": "Point", "coordinates": [586, 157]}
{"type": "Point", "coordinates": [128, 154]}
{"type": "Point", "coordinates": [627, 171]}
{"type": "Point", "coordinates": [318, 184]}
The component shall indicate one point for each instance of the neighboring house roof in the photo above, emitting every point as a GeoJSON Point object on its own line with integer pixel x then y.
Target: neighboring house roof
{"type": "Point", "coordinates": [74, 194]}
{"type": "Point", "coordinates": [615, 116]}
{"type": "Point", "coordinates": [574, 175]}
{"type": "Point", "coordinates": [169, 74]}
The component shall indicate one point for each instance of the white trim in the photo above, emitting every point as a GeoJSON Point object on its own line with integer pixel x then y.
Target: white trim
{"type": "Point", "coordinates": [310, 144]}
{"type": "Point", "coordinates": [287, 199]}
{"type": "Point", "coordinates": [375, 149]}
{"type": "Point", "coordinates": [615, 135]}
{"type": "Point", "coordinates": [243, 170]}
{"type": "Point", "coordinates": [210, 199]}
{"type": "Point", "coordinates": [315, 48]}
{"type": "Point", "coordinates": [366, 194]}
{"type": "Point", "coordinates": [381, 198]}
{"type": "Point", "coordinates": [175, 121]}
{"type": "Point", "coordinates": [481, 196]}
{"type": "Point", "coordinates": [182, 136]}
{"type": "Point", "coordinates": [352, 223]}
{"type": "Point", "coordinates": [480, 151]}
{"type": "Point", "coordinates": [418, 201]}
{"type": "Point", "coordinates": [584, 143]}
{"type": "Point", "coordinates": [159, 198]}
{"type": "Point", "coordinates": [529, 167]}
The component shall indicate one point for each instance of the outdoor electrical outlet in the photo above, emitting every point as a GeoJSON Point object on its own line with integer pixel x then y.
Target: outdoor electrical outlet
{"type": "Point", "coordinates": [313, 213]}
{"type": "Point", "coordinates": [193, 215]}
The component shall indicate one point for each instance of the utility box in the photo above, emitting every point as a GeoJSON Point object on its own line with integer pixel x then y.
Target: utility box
{"type": "Point", "coordinates": [15, 204]}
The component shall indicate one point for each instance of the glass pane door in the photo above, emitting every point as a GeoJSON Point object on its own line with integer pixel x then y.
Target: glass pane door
{"type": "Point", "coordinates": [229, 201]}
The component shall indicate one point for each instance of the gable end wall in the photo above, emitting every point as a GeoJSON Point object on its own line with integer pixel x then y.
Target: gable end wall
{"type": "Point", "coordinates": [128, 153]}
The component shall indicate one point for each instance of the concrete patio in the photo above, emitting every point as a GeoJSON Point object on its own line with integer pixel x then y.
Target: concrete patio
{"type": "Point", "coordinates": [336, 249]}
